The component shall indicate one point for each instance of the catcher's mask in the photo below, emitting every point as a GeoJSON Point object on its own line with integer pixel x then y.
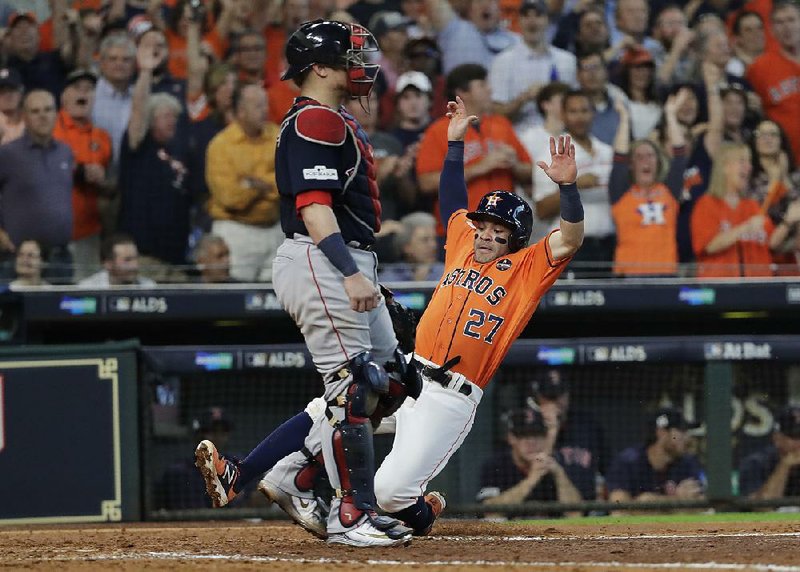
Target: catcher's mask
{"type": "Point", "coordinates": [336, 44]}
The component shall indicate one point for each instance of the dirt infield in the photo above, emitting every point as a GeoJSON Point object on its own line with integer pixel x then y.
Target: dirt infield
{"type": "Point", "coordinates": [455, 545]}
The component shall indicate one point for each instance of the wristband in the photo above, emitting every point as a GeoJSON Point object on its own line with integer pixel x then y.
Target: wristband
{"type": "Point", "coordinates": [571, 206]}
{"type": "Point", "coordinates": [334, 248]}
{"type": "Point", "coordinates": [455, 151]}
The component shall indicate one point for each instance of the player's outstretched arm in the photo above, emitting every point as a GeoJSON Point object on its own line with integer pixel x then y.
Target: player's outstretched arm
{"type": "Point", "coordinates": [452, 183]}
{"type": "Point", "coordinates": [563, 171]}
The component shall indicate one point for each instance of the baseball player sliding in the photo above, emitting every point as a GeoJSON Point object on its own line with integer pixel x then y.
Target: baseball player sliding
{"type": "Point", "coordinates": [492, 285]}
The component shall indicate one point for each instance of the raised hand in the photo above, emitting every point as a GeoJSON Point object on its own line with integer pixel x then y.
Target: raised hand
{"type": "Point", "coordinates": [6, 244]}
{"type": "Point", "coordinates": [792, 215]}
{"type": "Point", "coordinates": [675, 102]}
{"type": "Point", "coordinates": [711, 73]}
{"type": "Point", "coordinates": [459, 120]}
{"type": "Point", "coordinates": [562, 169]}
{"type": "Point", "coordinates": [147, 58]}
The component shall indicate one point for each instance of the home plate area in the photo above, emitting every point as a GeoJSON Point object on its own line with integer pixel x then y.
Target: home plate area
{"type": "Point", "coordinates": [455, 545]}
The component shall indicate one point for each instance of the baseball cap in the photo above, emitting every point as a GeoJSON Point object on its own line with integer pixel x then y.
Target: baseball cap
{"type": "Point", "coordinates": [526, 422]}
{"type": "Point", "coordinates": [18, 16]}
{"type": "Point", "coordinates": [671, 418]}
{"type": "Point", "coordinates": [212, 419]}
{"type": "Point", "coordinates": [138, 26]}
{"type": "Point", "coordinates": [9, 77]}
{"type": "Point", "coordinates": [79, 74]}
{"type": "Point", "coordinates": [415, 79]}
{"type": "Point", "coordinates": [637, 56]}
{"type": "Point", "coordinates": [538, 5]}
{"type": "Point", "coordinates": [384, 22]}
{"type": "Point", "coordinates": [787, 421]}
{"type": "Point", "coordinates": [733, 85]}
{"type": "Point", "coordinates": [550, 385]}
{"type": "Point", "coordinates": [422, 47]}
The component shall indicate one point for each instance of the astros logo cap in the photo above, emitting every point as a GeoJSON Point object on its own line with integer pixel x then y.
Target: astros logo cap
{"type": "Point", "coordinates": [492, 200]}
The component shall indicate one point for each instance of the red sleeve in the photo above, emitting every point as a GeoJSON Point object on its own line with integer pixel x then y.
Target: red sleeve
{"type": "Point", "coordinates": [754, 75]}
{"type": "Point", "coordinates": [312, 197]}
{"type": "Point", "coordinates": [705, 225]}
{"type": "Point", "coordinates": [432, 150]}
{"type": "Point", "coordinates": [46, 42]}
{"type": "Point", "coordinates": [769, 226]}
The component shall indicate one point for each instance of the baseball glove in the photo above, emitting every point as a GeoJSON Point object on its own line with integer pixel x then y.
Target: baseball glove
{"type": "Point", "coordinates": [404, 321]}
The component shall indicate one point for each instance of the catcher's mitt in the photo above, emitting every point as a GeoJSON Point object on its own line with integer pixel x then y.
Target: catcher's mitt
{"type": "Point", "coordinates": [404, 321]}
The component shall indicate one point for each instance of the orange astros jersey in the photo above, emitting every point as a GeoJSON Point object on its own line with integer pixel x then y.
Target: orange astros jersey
{"type": "Point", "coordinates": [646, 222]}
{"type": "Point", "coordinates": [478, 310]}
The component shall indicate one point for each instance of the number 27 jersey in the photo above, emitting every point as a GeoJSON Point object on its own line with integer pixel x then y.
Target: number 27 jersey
{"type": "Point", "coordinates": [478, 310]}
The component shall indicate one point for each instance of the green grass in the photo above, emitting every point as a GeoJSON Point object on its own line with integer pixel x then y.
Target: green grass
{"type": "Point", "coordinates": [667, 518]}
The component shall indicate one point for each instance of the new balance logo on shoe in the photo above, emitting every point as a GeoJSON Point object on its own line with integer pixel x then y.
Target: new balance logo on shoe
{"type": "Point", "coordinates": [218, 473]}
{"type": "Point", "coordinates": [230, 473]}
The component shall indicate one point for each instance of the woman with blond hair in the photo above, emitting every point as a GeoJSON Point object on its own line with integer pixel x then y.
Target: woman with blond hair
{"type": "Point", "coordinates": [731, 233]}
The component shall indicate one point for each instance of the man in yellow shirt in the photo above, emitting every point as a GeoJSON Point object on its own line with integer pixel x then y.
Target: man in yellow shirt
{"type": "Point", "coordinates": [240, 172]}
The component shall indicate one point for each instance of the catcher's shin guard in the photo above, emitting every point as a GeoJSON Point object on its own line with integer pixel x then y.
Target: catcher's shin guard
{"type": "Point", "coordinates": [352, 447]}
{"type": "Point", "coordinates": [355, 463]}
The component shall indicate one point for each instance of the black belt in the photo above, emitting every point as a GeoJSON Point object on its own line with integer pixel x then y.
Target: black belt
{"type": "Point", "coordinates": [442, 376]}
{"type": "Point", "coordinates": [465, 389]}
{"type": "Point", "coordinates": [353, 243]}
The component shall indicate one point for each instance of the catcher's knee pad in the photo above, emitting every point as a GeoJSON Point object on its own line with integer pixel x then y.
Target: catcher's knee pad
{"type": "Point", "coordinates": [368, 382]}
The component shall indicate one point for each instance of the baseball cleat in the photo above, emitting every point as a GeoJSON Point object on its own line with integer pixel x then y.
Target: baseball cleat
{"type": "Point", "coordinates": [366, 535]}
{"type": "Point", "coordinates": [305, 512]}
{"type": "Point", "coordinates": [219, 473]}
{"type": "Point", "coordinates": [435, 500]}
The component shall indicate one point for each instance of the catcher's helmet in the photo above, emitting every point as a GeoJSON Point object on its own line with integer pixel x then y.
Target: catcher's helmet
{"type": "Point", "coordinates": [335, 44]}
{"type": "Point", "coordinates": [510, 210]}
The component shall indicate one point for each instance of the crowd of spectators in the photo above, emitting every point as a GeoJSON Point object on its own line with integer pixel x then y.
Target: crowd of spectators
{"type": "Point", "coordinates": [148, 125]}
